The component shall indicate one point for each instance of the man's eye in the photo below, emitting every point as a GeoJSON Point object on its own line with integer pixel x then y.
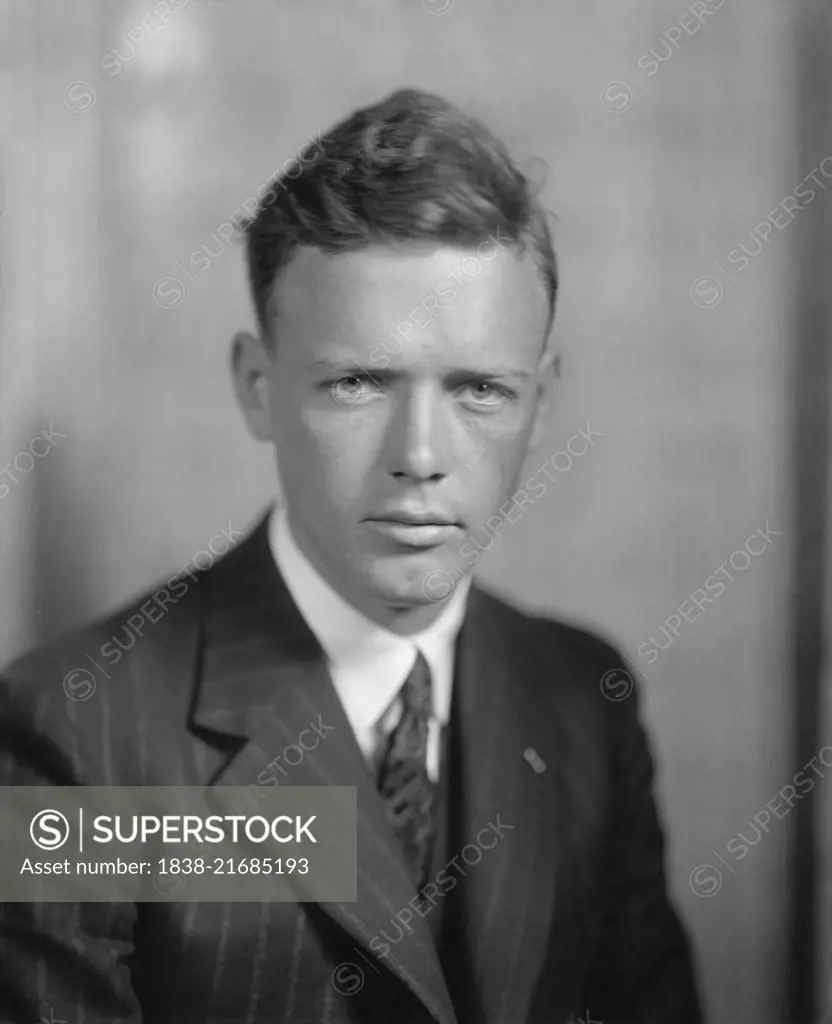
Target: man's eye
{"type": "Point", "coordinates": [353, 388]}
{"type": "Point", "coordinates": [483, 394]}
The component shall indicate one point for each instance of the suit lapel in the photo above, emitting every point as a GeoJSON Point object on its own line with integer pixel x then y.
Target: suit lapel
{"type": "Point", "coordinates": [263, 681]}
{"type": "Point", "coordinates": [513, 897]}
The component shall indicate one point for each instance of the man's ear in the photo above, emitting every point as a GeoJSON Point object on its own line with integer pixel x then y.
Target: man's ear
{"type": "Point", "coordinates": [251, 365]}
{"type": "Point", "coordinates": [548, 372]}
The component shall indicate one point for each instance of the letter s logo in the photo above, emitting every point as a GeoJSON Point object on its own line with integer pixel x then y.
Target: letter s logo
{"type": "Point", "coordinates": [49, 830]}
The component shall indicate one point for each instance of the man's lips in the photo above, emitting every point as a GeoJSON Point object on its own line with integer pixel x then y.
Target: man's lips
{"type": "Point", "coordinates": [415, 530]}
{"type": "Point", "coordinates": [414, 518]}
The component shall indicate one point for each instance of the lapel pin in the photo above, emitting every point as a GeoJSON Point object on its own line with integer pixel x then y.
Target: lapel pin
{"type": "Point", "coordinates": [534, 759]}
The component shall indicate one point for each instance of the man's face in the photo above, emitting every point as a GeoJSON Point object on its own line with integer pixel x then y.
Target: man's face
{"type": "Point", "coordinates": [393, 446]}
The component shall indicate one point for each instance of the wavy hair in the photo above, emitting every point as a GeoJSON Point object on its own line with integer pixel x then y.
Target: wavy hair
{"type": "Point", "coordinates": [411, 168]}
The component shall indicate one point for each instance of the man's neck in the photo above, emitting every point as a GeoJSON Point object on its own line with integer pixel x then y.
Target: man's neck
{"type": "Point", "coordinates": [402, 620]}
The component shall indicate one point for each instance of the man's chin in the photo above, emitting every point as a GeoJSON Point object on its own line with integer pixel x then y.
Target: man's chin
{"type": "Point", "coordinates": [413, 581]}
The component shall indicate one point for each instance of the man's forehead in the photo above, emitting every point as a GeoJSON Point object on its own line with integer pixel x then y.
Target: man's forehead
{"type": "Point", "coordinates": [386, 285]}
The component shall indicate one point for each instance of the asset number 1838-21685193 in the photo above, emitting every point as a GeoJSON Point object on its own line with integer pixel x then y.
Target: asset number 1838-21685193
{"type": "Point", "coordinates": [233, 866]}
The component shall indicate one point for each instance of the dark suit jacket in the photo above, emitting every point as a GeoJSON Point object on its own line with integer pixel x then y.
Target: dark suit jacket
{"type": "Point", "coordinates": [567, 913]}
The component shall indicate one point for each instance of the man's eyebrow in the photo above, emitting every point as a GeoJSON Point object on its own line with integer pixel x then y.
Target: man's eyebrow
{"type": "Point", "coordinates": [486, 375]}
{"type": "Point", "coordinates": [349, 364]}
{"type": "Point", "coordinates": [336, 361]}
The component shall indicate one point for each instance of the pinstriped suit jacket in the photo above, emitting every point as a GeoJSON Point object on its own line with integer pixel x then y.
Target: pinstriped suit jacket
{"type": "Point", "coordinates": [567, 912]}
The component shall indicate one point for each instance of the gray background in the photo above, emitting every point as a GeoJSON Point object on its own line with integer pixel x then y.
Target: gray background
{"type": "Point", "coordinates": [714, 419]}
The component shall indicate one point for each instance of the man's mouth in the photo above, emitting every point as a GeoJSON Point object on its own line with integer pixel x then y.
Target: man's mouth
{"type": "Point", "coordinates": [415, 529]}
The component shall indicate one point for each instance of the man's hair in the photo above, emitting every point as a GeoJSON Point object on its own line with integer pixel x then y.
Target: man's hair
{"type": "Point", "coordinates": [412, 168]}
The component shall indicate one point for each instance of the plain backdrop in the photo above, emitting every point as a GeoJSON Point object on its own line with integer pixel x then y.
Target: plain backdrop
{"type": "Point", "coordinates": [115, 179]}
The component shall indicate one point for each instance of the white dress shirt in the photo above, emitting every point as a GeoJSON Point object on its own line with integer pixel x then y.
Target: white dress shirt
{"type": "Point", "coordinates": [368, 664]}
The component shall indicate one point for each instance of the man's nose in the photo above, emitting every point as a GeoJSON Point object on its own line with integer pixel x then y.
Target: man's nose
{"type": "Point", "coordinates": [419, 441]}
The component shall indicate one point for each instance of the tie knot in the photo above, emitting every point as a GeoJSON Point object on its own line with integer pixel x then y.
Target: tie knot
{"type": "Point", "coordinates": [416, 690]}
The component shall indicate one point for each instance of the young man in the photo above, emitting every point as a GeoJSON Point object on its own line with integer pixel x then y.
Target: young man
{"type": "Point", "coordinates": [510, 857]}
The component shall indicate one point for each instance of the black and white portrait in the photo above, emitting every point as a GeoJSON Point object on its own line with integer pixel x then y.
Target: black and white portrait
{"type": "Point", "coordinates": [425, 401]}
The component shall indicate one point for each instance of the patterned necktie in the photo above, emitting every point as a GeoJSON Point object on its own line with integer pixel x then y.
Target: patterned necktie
{"type": "Point", "coordinates": [403, 779]}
